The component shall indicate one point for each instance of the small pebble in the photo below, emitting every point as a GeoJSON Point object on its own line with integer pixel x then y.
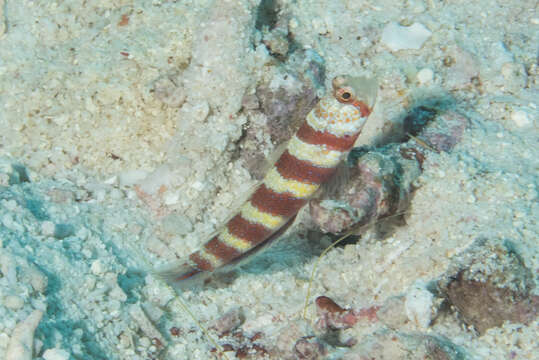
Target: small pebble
{"type": "Point", "coordinates": [11, 223]}
{"type": "Point", "coordinates": [471, 199]}
{"type": "Point", "coordinates": [112, 180]}
{"type": "Point", "coordinates": [22, 338]}
{"type": "Point", "coordinates": [229, 321]}
{"type": "Point", "coordinates": [125, 340]}
{"type": "Point", "coordinates": [118, 294]}
{"type": "Point", "coordinates": [419, 305]}
{"type": "Point", "coordinates": [521, 118]}
{"type": "Point", "coordinates": [4, 340]}
{"type": "Point", "coordinates": [97, 268]}
{"type": "Point", "coordinates": [425, 76]}
{"type": "Point", "coordinates": [55, 354]}
{"type": "Point", "coordinates": [145, 342]}
{"type": "Point", "coordinates": [171, 198]}
{"type": "Point", "coordinates": [397, 37]}
{"type": "Point", "coordinates": [8, 268]}
{"type": "Point", "coordinates": [10, 205]}
{"type": "Point", "coordinates": [47, 228]}
{"type": "Point", "coordinates": [13, 302]}
{"type": "Point", "coordinates": [309, 348]}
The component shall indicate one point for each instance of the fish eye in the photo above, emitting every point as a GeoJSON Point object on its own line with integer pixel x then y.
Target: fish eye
{"type": "Point", "coordinates": [344, 95]}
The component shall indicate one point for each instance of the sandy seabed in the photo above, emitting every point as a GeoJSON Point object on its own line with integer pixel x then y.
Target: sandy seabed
{"type": "Point", "coordinates": [129, 128]}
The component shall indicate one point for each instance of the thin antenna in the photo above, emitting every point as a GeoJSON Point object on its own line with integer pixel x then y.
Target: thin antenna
{"type": "Point", "coordinates": [346, 235]}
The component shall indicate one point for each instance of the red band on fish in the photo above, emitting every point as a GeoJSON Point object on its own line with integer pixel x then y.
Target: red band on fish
{"type": "Point", "coordinates": [186, 276]}
{"type": "Point", "coordinates": [248, 231]}
{"type": "Point", "coordinates": [278, 204]}
{"type": "Point", "coordinates": [201, 263]}
{"type": "Point", "coordinates": [221, 250]}
{"type": "Point", "coordinates": [362, 107]}
{"type": "Point", "coordinates": [292, 168]}
{"type": "Point", "coordinates": [332, 142]}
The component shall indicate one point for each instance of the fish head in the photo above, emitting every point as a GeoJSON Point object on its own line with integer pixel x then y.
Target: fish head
{"type": "Point", "coordinates": [345, 110]}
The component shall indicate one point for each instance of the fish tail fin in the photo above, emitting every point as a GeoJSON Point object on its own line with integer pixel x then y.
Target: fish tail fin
{"type": "Point", "coordinates": [181, 274]}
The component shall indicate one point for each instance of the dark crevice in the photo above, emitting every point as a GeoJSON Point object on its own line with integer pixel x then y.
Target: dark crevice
{"type": "Point", "coordinates": [267, 14]}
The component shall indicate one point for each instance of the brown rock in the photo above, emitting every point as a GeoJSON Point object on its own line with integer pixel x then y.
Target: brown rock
{"type": "Point", "coordinates": [489, 284]}
{"type": "Point", "coordinates": [308, 348]}
{"type": "Point", "coordinates": [395, 345]}
{"type": "Point", "coordinates": [485, 305]}
{"type": "Point", "coordinates": [231, 320]}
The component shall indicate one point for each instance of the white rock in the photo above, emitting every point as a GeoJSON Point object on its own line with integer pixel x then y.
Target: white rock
{"type": "Point", "coordinates": [145, 342]}
{"type": "Point", "coordinates": [118, 294]}
{"type": "Point", "coordinates": [97, 268]}
{"type": "Point", "coordinates": [4, 340]}
{"type": "Point", "coordinates": [10, 205]}
{"type": "Point", "coordinates": [113, 180]}
{"type": "Point", "coordinates": [419, 305]}
{"type": "Point", "coordinates": [171, 198]}
{"type": "Point", "coordinates": [89, 282]}
{"type": "Point", "coordinates": [13, 302]}
{"type": "Point", "coordinates": [47, 228]}
{"type": "Point", "coordinates": [521, 118]}
{"type": "Point", "coordinates": [11, 223]}
{"type": "Point", "coordinates": [8, 267]}
{"type": "Point", "coordinates": [38, 280]}
{"type": "Point", "coordinates": [22, 339]}
{"type": "Point", "coordinates": [397, 37]}
{"type": "Point", "coordinates": [89, 105]}
{"type": "Point", "coordinates": [55, 354]}
{"type": "Point", "coordinates": [425, 76]}
{"type": "Point", "coordinates": [198, 185]}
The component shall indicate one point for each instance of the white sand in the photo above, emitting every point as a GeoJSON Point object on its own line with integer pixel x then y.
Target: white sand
{"type": "Point", "coordinates": [107, 103]}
